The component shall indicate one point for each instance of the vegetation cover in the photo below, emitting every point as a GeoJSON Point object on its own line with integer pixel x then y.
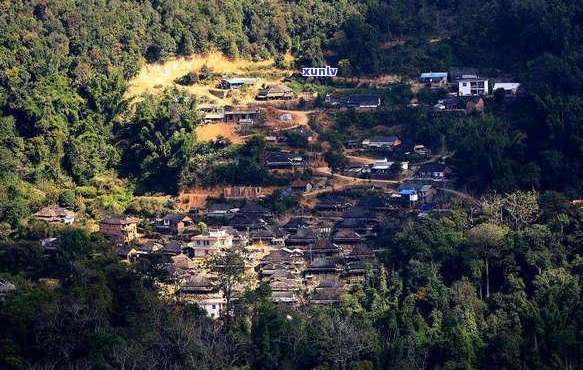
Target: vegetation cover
{"type": "Point", "coordinates": [502, 291]}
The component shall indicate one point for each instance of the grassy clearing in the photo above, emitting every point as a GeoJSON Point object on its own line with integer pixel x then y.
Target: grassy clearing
{"type": "Point", "coordinates": [153, 78]}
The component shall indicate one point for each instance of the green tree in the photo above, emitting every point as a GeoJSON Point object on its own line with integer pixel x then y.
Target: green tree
{"type": "Point", "coordinates": [228, 269]}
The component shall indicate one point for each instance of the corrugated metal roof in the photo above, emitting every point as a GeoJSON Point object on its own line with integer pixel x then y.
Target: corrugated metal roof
{"type": "Point", "coordinates": [434, 75]}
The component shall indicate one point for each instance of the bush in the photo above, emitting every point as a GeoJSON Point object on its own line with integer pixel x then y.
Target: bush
{"type": "Point", "coordinates": [68, 199]}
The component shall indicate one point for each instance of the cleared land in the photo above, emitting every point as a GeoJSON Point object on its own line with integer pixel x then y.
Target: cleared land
{"type": "Point", "coordinates": [213, 130]}
{"type": "Point", "coordinates": [154, 78]}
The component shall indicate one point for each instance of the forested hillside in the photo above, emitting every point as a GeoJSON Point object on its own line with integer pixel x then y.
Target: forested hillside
{"type": "Point", "coordinates": [494, 285]}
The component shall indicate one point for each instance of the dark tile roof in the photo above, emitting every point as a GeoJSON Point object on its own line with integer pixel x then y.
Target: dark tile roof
{"type": "Point", "coordinates": [360, 212]}
{"type": "Point", "coordinates": [295, 223]}
{"type": "Point", "coordinates": [119, 220]}
{"type": "Point", "coordinates": [361, 250]}
{"type": "Point", "coordinates": [372, 201]}
{"type": "Point", "coordinates": [217, 207]}
{"type": "Point", "coordinates": [174, 218]}
{"type": "Point", "coordinates": [242, 221]}
{"type": "Point", "coordinates": [254, 208]}
{"type": "Point", "coordinates": [173, 247]}
{"type": "Point", "coordinates": [433, 167]}
{"type": "Point", "coordinates": [278, 157]}
{"type": "Point", "coordinates": [362, 100]}
{"type": "Point", "coordinates": [303, 233]}
{"type": "Point", "coordinates": [384, 139]}
{"type": "Point", "coordinates": [150, 246]}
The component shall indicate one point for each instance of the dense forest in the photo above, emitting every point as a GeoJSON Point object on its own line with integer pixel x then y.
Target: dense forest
{"type": "Point", "coordinates": [502, 291]}
{"type": "Point", "coordinates": [458, 291]}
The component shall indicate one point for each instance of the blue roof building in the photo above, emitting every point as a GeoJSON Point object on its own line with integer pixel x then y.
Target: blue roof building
{"type": "Point", "coordinates": [433, 77]}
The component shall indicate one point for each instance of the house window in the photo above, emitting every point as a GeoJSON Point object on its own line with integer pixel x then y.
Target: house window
{"type": "Point", "coordinates": [214, 307]}
{"type": "Point", "coordinates": [464, 84]}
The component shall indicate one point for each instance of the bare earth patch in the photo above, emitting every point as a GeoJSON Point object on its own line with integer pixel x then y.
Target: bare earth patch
{"type": "Point", "coordinates": [212, 130]}
{"type": "Point", "coordinates": [154, 78]}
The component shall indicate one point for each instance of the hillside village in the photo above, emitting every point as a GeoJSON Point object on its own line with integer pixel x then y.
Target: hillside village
{"type": "Point", "coordinates": [295, 185]}
{"type": "Point", "coordinates": [330, 234]}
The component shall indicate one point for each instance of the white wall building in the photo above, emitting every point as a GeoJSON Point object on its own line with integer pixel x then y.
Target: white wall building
{"type": "Point", "coordinates": [208, 244]}
{"type": "Point", "coordinates": [213, 306]}
{"type": "Point", "coordinates": [473, 87]}
{"type": "Point", "coordinates": [508, 87]}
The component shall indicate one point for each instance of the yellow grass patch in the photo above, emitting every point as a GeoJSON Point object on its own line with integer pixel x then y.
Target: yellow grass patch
{"type": "Point", "coordinates": [212, 130]}
{"type": "Point", "coordinates": [153, 78]}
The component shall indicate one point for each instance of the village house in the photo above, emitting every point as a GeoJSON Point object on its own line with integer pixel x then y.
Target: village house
{"type": "Point", "coordinates": [409, 195]}
{"type": "Point", "coordinates": [322, 248]}
{"type": "Point", "coordinates": [456, 74]}
{"type": "Point", "coordinates": [244, 125]}
{"type": "Point", "coordinates": [356, 169]}
{"type": "Point", "coordinates": [302, 237]}
{"type": "Point", "coordinates": [256, 210]}
{"type": "Point", "coordinates": [235, 83]}
{"type": "Point", "coordinates": [122, 228]}
{"type": "Point", "coordinates": [363, 102]}
{"type": "Point", "coordinates": [334, 203]}
{"type": "Point", "coordinates": [273, 236]}
{"type": "Point", "coordinates": [278, 160]}
{"type": "Point", "coordinates": [424, 190]}
{"type": "Point", "coordinates": [50, 244]}
{"type": "Point", "coordinates": [237, 115]}
{"type": "Point", "coordinates": [220, 210]}
{"type": "Point", "coordinates": [467, 87]}
{"type": "Point", "coordinates": [247, 221]}
{"type": "Point", "coordinates": [355, 271]}
{"type": "Point", "coordinates": [474, 104]}
{"type": "Point", "coordinates": [173, 248]}
{"type": "Point", "coordinates": [56, 214]}
{"type": "Point", "coordinates": [278, 259]}
{"type": "Point", "coordinates": [213, 306]}
{"type": "Point", "coordinates": [275, 92]}
{"type": "Point", "coordinates": [433, 78]}
{"type": "Point", "coordinates": [301, 186]}
{"type": "Point", "coordinates": [212, 113]}
{"type": "Point", "coordinates": [434, 170]}
{"type": "Point", "coordinates": [127, 252]}
{"type": "Point", "coordinates": [360, 252]}
{"type": "Point", "coordinates": [174, 223]}
{"type": "Point", "coordinates": [360, 226]}
{"type": "Point", "coordinates": [373, 203]}
{"type": "Point", "coordinates": [266, 269]}
{"type": "Point", "coordinates": [328, 291]}
{"type": "Point", "coordinates": [352, 144]}
{"type": "Point", "coordinates": [322, 266]}
{"type": "Point", "coordinates": [208, 244]}
{"type": "Point", "coordinates": [467, 104]}
{"type": "Point", "coordinates": [509, 88]}
{"type": "Point", "coordinates": [6, 288]}
{"type": "Point", "coordinates": [346, 237]}
{"type": "Point", "coordinates": [302, 131]}
{"type": "Point", "coordinates": [243, 192]}
{"type": "Point", "coordinates": [147, 247]}
{"type": "Point", "coordinates": [381, 142]}
{"type": "Point", "coordinates": [295, 223]}
{"type": "Point", "coordinates": [361, 213]}
{"type": "Point", "coordinates": [283, 286]}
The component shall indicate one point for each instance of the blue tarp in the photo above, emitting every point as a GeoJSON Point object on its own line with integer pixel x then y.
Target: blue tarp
{"type": "Point", "coordinates": [408, 192]}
